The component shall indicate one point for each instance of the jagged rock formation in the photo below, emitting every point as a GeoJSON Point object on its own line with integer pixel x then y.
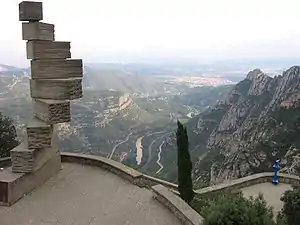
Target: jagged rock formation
{"type": "Point", "coordinates": [258, 123]}
{"type": "Point", "coordinates": [123, 102]}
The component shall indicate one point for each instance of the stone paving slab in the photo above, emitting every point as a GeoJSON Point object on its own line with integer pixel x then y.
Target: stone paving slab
{"type": "Point", "coordinates": [271, 192]}
{"type": "Point", "coordinates": [84, 195]}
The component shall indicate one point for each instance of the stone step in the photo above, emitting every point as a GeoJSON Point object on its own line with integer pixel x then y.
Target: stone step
{"type": "Point", "coordinates": [56, 68]}
{"type": "Point", "coordinates": [26, 160]}
{"type": "Point", "coordinates": [30, 11]}
{"type": "Point", "coordinates": [52, 111]}
{"type": "Point", "coordinates": [38, 31]}
{"type": "Point", "coordinates": [37, 49]}
{"type": "Point", "coordinates": [56, 89]}
{"type": "Point", "coordinates": [39, 134]}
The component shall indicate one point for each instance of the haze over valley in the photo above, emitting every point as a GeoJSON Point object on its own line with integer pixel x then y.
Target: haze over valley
{"type": "Point", "coordinates": [129, 111]}
{"type": "Point", "coordinates": [126, 113]}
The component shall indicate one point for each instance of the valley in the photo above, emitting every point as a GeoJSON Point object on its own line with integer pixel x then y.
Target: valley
{"type": "Point", "coordinates": [128, 119]}
{"type": "Point", "coordinates": [234, 129]}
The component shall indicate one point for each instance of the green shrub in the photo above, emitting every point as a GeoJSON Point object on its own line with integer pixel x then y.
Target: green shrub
{"type": "Point", "coordinates": [281, 219]}
{"type": "Point", "coordinates": [234, 209]}
{"type": "Point", "coordinates": [8, 136]}
{"type": "Point", "coordinates": [290, 213]}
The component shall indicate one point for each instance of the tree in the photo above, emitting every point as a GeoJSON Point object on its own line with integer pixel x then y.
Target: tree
{"type": "Point", "coordinates": [281, 219]}
{"type": "Point", "coordinates": [234, 209]}
{"type": "Point", "coordinates": [185, 184]}
{"type": "Point", "coordinates": [8, 136]}
{"type": "Point", "coordinates": [290, 212]}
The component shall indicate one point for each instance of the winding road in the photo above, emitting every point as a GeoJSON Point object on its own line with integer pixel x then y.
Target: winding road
{"type": "Point", "coordinates": [117, 145]}
{"type": "Point", "coordinates": [150, 146]}
{"type": "Point", "coordinates": [158, 159]}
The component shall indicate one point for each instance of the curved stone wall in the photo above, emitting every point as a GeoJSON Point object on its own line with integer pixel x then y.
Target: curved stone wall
{"type": "Point", "coordinates": [247, 181]}
{"type": "Point", "coordinates": [140, 179]}
{"type": "Point", "coordinates": [166, 192]}
{"type": "Point", "coordinates": [104, 163]}
{"type": "Point", "coordinates": [144, 180]}
{"type": "Point", "coordinates": [160, 188]}
{"type": "Point", "coordinates": [177, 206]}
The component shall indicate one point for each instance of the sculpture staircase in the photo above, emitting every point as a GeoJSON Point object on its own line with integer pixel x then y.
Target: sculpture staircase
{"type": "Point", "coordinates": [55, 81]}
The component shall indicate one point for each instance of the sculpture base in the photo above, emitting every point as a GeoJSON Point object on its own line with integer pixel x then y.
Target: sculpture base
{"type": "Point", "coordinates": [14, 186]}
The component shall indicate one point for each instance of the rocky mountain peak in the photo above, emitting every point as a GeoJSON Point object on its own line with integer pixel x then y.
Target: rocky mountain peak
{"type": "Point", "coordinates": [256, 83]}
{"type": "Point", "coordinates": [260, 82]}
{"type": "Point", "coordinates": [258, 123]}
{"type": "Point", "coordinates": [294, 70]}
{"type": "Point", "coordinates": [254, 74]}
{"type": "Point", "coordinates": [287, 92]}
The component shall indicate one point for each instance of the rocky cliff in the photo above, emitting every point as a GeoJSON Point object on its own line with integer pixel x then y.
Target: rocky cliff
{"type": "Point", "coordinates": [257, 123]}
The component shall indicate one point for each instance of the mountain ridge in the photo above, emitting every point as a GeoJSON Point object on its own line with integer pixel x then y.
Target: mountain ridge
{"type": "Point", "coordinates": [256, 124]}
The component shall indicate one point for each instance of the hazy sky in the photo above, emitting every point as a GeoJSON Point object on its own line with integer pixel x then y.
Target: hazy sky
{"type": "Point", "coordinates": [133, 29]}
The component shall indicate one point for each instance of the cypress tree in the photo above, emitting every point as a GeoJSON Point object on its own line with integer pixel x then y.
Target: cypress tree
{"type": "Point", "coordinates": [185, 184]}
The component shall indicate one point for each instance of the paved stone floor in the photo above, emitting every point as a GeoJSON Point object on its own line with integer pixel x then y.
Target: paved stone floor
{"type": "Point", "coordinates": [86, 195]}
{"type": "Point", "coordinates": [272, 193]}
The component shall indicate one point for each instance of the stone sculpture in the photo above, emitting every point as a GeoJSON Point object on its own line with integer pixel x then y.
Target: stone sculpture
{"type": "Point", "coordinates": [55, 80]}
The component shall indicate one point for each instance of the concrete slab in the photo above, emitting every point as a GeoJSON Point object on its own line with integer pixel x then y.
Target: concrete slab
{"type": "Point", "coordinates": [37, 49]}
{"type": "Point", "coordinates": [38, 31]}
{"type": "Point", "coordinates": [52, 111]}
{"type": "Point", "coordinates": [30, 11]}
{"type": "Point", "coordinates": [26, 160]}
{"type": "Point", "coordinates": [56, 68]}
{"type": "Point", "coordinates": [56, 89]}
{"type": "Point", "coordinates": [39, 134]}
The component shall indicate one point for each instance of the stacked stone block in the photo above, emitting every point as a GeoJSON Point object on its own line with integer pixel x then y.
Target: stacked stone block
{"type": "Point", "coordinates": [55, 80]}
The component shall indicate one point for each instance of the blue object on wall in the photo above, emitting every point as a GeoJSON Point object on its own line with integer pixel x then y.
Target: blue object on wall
{"type": "Point", "coordinates": [276, 168]}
